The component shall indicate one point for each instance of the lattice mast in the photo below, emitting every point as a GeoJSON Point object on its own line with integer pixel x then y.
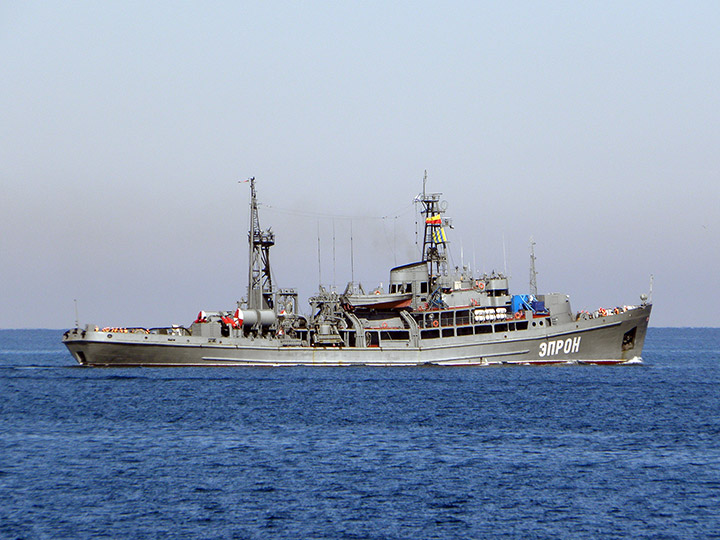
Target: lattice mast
{"type": "Point", "coordinates": [260, 288]}
{"type": "Point", "coordinates": [434, 241]}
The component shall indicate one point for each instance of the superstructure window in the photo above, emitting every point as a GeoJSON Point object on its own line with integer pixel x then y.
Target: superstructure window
{"type": "Point", "coordinates": [372, 339]}
{"type": "Point", "coordinates": [395, 335]}
{"type": "Point", "coordinates": [431, 320]}
{"type": "Point", "coordinates": [446, 318]}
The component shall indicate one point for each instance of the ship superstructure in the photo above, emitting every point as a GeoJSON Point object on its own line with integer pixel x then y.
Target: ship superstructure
{"type": "Point", "coordinates": [430, 314]}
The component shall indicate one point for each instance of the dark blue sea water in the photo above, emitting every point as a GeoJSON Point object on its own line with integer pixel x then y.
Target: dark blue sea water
{"type": "Point", "coordinates": [303, 453]}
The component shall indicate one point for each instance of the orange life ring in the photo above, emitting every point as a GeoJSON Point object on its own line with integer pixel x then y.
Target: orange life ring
{"type": "Point", "coordinates": [480, 285]}
{"type": "Point", "coordinates": [435, 324]}
{"type": "Point", "coordinates": [518, 314]}
{"type": "Point", "coordinates": [377, 291]}
{"type": "Point", "coordinates": [384, 325]}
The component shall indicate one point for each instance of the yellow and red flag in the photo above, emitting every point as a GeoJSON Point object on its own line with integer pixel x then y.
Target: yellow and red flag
{"type": "Point", "coordinates": [434, 220]}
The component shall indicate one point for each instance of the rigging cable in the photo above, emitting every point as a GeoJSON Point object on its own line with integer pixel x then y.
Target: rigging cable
{"type": "Point", "coordinates": [404, 210]}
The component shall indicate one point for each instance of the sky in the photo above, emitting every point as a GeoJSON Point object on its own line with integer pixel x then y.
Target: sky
{"type": "Point", "coordinates": [125, 128]}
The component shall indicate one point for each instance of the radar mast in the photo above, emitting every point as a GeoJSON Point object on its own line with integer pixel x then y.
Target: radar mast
{"type": "Point", "coordinates": [434, 241]}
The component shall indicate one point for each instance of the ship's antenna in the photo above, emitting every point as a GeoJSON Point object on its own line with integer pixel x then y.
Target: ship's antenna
{"type": "Point", "coordinates": [415, 202]}
{"type": "Point", "coordinates": [77, 319]}
{"type": "Point", "coordinates": [352, 255]}
{"type": "Point", "coordinates": [333, 223]}
{"type": "Point", "coordinates": [251, 300]}
{"type": "Point", "coordinates": [417, 242]}
{"type": "Point", "coordinates": [504, 255]}
{"type": "Point", "coordinates": [652, 278]}
{"type": "Point", "coordinates": [474, 269]}
{"type": "Point", "coordinates": [319, 265]}
{"type": "Point", "coordinates": [395, 240]}
{"type": "Point", "coordinates": [533, 272]}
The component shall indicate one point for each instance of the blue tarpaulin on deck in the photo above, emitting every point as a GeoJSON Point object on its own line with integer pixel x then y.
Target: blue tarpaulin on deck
{"type": "Point", "coordinates": [521, 301]}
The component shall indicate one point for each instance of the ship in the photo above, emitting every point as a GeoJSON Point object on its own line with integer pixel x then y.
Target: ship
{"type": "Point", "coordinates": [429, 315]}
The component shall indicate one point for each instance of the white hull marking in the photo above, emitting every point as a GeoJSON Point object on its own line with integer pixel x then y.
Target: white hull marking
{"type": "Point", "coordinates": [566, 346]}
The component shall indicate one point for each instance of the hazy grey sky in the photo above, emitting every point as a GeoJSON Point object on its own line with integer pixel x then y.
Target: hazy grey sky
{"type": "Point", "coordinates": [125, 126]}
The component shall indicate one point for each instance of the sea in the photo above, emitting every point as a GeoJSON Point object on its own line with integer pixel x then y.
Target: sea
{"type": "Point", "coordinates": [361, 453]}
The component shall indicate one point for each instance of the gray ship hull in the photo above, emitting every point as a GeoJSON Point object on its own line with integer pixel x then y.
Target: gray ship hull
{"type": "Point", "coordinates": [612, 339]}
{"type": "Point", "coordinates": [430, 314]}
